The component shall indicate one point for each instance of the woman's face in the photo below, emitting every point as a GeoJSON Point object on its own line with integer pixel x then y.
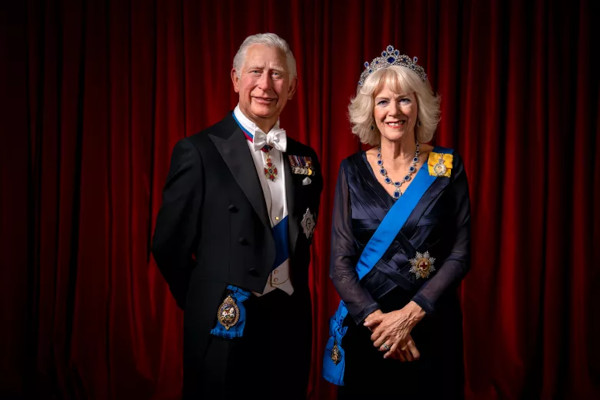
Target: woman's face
{"type": "Point", "coordinates": [395, 114]}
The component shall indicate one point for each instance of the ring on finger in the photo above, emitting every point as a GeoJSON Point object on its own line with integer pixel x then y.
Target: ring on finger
{"type": "Point", "coordinates": [385, 346]}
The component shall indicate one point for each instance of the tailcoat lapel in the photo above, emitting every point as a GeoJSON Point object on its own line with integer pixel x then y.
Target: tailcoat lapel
{"type": "Point", "coordinates": [234, 150]}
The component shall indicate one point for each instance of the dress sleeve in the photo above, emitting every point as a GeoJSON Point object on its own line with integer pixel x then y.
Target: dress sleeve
{"type": "Point", "coordinates": [457, 264]}
{"type": "Point", "coordinates": [345, 254]}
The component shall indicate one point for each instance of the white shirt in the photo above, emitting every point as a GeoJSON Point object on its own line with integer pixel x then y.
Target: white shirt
{"type": "Point", "coordinates": [275, 199]}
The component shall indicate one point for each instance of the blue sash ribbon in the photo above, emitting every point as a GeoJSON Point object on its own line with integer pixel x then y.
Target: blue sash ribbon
{"type": "Point", "coordinates": [280, 234]}
{"type": "Point", "coordinates": [333, 369]}
{"type": "Point", "coordinates": [376, 247]}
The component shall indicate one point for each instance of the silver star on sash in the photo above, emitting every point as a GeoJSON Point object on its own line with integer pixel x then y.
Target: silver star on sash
{"type": "Point", "coordinates": [422, 265]}
{"type": "Point", "coordinates": [308, 223]}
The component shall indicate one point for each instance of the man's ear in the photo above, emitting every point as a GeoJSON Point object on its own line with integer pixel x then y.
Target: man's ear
{"type": "Point", "coordinates": [236, 80]}
{"type": "Point", "coordinates": [293, 87]}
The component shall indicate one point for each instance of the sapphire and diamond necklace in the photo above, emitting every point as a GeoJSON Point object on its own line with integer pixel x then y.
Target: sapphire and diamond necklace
{"type": "Point", "coordinates": [407, 177]}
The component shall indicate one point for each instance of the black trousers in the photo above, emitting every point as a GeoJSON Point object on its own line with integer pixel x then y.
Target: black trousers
{"type": "Point", "coordinates": [270, 361]}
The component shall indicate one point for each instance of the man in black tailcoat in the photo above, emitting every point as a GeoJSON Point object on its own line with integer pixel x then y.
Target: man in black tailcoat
{"type": "Point", "coordinates": [233, 238]}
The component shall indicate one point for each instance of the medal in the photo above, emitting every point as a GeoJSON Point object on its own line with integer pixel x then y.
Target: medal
{"type": "Point", "coordinates": [422, 265]}
{"type": "Point", "coordinates": [228, 313]}
{"type": "Point", "coordinates": [270, 169]}
{"type": "Point", "coordinates": [308, 223]}
{"type": "Point", "coordinates": [335, 354]}
{"type": "Point", "coordinates": [301, 165]}
{"type": "Point", "coordinates": [440, 164]}
{"type": "Point", "coordinates": [439, 168]}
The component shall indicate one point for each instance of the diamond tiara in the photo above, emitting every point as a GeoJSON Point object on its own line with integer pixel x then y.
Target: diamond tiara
{"type": "Point", "coordinates": [389, 57]}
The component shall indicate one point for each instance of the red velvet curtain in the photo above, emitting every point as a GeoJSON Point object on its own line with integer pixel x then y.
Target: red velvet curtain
{"type": "Point", "coordinates": [96, 93]}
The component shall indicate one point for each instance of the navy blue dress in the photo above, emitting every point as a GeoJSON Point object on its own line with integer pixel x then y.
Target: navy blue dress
{"type": "Point", "coordinates": [439, 225]}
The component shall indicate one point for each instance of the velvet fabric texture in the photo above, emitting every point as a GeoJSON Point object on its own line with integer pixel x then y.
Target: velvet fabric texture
{"type": "Point", "coordinates": [94, 95]}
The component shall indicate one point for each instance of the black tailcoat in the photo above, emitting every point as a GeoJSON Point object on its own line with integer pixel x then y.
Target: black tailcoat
{"type": "Point", "coordinates": [213, 230]}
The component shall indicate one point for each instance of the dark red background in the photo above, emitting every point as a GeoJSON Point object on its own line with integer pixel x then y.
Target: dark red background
{"type": "Point", "coordinates": [95, 94]}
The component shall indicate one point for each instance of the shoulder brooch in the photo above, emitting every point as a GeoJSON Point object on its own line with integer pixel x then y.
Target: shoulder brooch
{"type": "Point", "coordinates": [440, 164]}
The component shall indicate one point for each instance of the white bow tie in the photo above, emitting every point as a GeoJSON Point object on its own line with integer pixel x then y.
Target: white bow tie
{"type": "Point", "coordinates": [275, 138]}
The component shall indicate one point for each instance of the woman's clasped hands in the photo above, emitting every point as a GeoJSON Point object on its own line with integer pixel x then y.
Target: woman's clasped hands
{"type": "Point", "coordinates": [391, 332]}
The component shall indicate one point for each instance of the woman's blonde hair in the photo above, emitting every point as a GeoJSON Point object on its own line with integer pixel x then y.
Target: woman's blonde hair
{"type": "Point", "coordinates": [399, 80]}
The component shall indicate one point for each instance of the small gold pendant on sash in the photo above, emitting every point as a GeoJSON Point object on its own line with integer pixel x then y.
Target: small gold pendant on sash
{"type": "Point", "coordinates": [228, 313]}
{"type": "Point", "coordinates": [335, 354]}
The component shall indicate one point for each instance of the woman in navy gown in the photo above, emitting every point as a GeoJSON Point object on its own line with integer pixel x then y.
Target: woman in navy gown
{"type": "Point", "coordinates": [399, 283]}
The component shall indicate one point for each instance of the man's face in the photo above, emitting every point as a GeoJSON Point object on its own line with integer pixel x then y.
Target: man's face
{"type": "Point", "coordinates": [264, 85]}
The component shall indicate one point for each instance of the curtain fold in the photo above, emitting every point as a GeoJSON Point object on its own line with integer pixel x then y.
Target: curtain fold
{"type": "Point", "coordinates": [96, 93]}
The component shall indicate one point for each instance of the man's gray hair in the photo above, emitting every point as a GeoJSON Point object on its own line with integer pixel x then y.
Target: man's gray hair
{"type": "Point", "coordinates": [267, 39]}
